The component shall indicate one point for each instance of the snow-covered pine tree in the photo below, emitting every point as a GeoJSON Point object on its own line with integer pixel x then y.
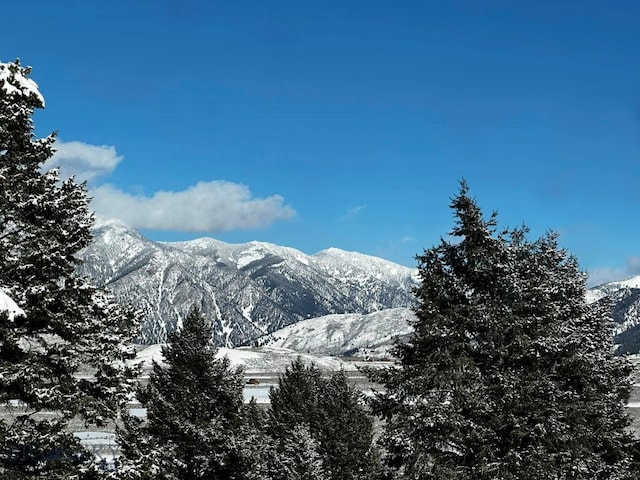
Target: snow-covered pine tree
{"type": "Point", "coordinates": [510, 373]}
{"type": "Point", "coordinates": [194, 413]}
{"type": "Point", "coordinates": [332, 411]}
{"type": "Point", "coordinates": [67, 356]}
{"type": "Point", "coordinates": [299, 458]}
{"type": "Point", "coordinates": [296, 399]}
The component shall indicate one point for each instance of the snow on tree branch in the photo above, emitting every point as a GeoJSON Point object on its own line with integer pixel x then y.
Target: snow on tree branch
{"type": "Point", "coordinates": [14, 80]}
{"type": "Point", "coordinates": [8, 305]}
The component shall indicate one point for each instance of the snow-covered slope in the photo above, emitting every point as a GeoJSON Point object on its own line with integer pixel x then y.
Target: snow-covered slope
{"type": "Point", "coordinates": [624, 296]}
{"type": "Point", "coordinates": [255, 360]}
{"type": "Point", "coordinates": [369, 335]}
{"type": "Point", "coordinates": [249, 289]}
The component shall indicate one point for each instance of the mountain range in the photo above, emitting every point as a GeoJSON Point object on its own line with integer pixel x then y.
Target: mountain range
{"type": "Point", "coordinates": [248, 290]}
{"type": "Point", "coordinates": [252, 291]}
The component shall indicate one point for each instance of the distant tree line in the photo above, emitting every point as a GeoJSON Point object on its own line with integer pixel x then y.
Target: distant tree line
{"type": "Point", "coordinates": [509, 374]}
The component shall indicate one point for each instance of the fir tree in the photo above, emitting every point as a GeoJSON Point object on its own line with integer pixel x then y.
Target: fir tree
{"type": "Point", "coordinates": [194, 413]}
{"type": "Point", "coordinates": [510, 374]}
{"type": "Point", "coordinates": [332, 411]}
{"type": "Point", "coordinates": [69, 325]}
{"type": "Point", "coordinates": [299, 457]}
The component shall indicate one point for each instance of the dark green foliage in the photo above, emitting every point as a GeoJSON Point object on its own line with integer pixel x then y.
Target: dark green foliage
{"type": "Point", "coordinates": [299, 457]}
{"type": "Point", "coordinates": [510, 374]}
{"type": "Point", "coordinates": [332, 412]}
{"type": "Point", "coordinates": [69, 325]}
{"type": "Point", "coordinates": [194, 413]}
{"type": "Point", "coordinates": [296, 400]}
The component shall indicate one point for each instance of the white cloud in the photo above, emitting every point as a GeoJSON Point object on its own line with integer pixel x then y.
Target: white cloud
{"type": "Point", "coordinates": [85, 161]}
{"type": "Point", "coordinates": [352, 212]}
{"type": "Point", "coordinates": [205, 207]}
{"type": "Point", "coordinates": [598, 276]}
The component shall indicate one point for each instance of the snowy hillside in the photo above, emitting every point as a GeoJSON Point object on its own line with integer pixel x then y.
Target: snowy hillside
{"type": "Point", "coordinates": [625, 297]}
{"type": "Point", "coordinates": [249, 289]}
{"type": "Point", "coordinates": [360, 335]}
{"type": "Point", "coordinates": [255, 360]}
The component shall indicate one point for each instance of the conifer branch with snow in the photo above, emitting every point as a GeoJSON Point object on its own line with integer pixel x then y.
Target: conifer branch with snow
{"type": "Point", "coordinates": [66, 358]}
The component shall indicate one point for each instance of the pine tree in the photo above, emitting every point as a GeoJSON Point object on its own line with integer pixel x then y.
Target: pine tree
{"type": "Point", "coordinates": [296, 400]}
{"type": "Point", "coordinates": [67, 356]}
{"type": "Point", "coordinates": [510, 374]}
{"type": "Point", "coordinates": [299, 457]}
{"type": "Point", "coordinates": [266, 457]}
{"type": "Point", "coordinates": [194, 413]}
{"type": "Point", "coordinates": [258, 452]}
{"type": "Point", "coordinates": [332, 411]}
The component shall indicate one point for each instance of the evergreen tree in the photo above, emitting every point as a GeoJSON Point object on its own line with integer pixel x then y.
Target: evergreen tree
{"type": "Point", "coordinates": [194, 413]}
{"type": "Point", "coordinates": [265, 457]}
{"type": "Point", "coordinates": [510, 373]}
{"type": "Point", "coordinates": [70, 326]}
{"type": "Point", "coordinates": [334, 415]}
{"type": "Point", "coordinates": [296, 400]}
{"type": "Point", "coordinates": [258, 452]}
{"type": "Point", "coordinates": [299, 457]}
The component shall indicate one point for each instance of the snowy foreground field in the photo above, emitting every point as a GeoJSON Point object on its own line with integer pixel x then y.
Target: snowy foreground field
{"type": "Point", "coordinates": [262, 366]}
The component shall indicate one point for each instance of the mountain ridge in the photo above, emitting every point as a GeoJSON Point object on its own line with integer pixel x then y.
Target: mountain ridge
{"type": "Point", "coordinates": [248, 289]}
{"type": "Point", "coordinates": [624, 297]}
{"type": "Point", "coordinates": [253, 289]}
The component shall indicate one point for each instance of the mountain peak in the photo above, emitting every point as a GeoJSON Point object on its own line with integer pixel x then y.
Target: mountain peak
{"type": "Point", "coordinates": [246, 289]}
{"type": "Point", "coordinates": [632, 282]}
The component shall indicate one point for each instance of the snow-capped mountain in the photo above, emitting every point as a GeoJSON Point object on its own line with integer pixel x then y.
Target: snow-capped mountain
{"type": "Point", "coordinates": [254, 289]}
{"type": "Point", "coordinates": [362, 335]}
{"type": "Point", "coordinates": [249, 289]}
{"type": "Point", "coordinates": [625, 298]}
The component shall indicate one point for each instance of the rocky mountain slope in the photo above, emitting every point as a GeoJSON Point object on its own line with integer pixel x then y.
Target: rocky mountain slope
{"type": "Point", "coordinates": [249, 289]}
{"type": "Point", "coordinates": [624, 297]}
{"type": "Point", "coordinates": [254, 289]}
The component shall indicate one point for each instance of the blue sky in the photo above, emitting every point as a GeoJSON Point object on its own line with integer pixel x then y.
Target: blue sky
{"type": "Point", "coordinates": [346, 124]}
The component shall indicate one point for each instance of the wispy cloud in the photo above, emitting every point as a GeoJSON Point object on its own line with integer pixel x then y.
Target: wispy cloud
{"type": "Point", "coordinates": [206, 207]}
{"type": "Point", "coordinates": [85, 161]}
{"type": "Point", "coordinates": [352, 212]}
{"type": "Point", "coordinates": [598, 276]}
{"type": "Point", "coordinates": [396, 248]}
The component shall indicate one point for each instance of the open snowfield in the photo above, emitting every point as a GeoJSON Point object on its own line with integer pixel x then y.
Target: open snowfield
{"type": "Point", "coordinates": [256, 360]}
{"type": "Point", "coordinates": [263, 365]}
